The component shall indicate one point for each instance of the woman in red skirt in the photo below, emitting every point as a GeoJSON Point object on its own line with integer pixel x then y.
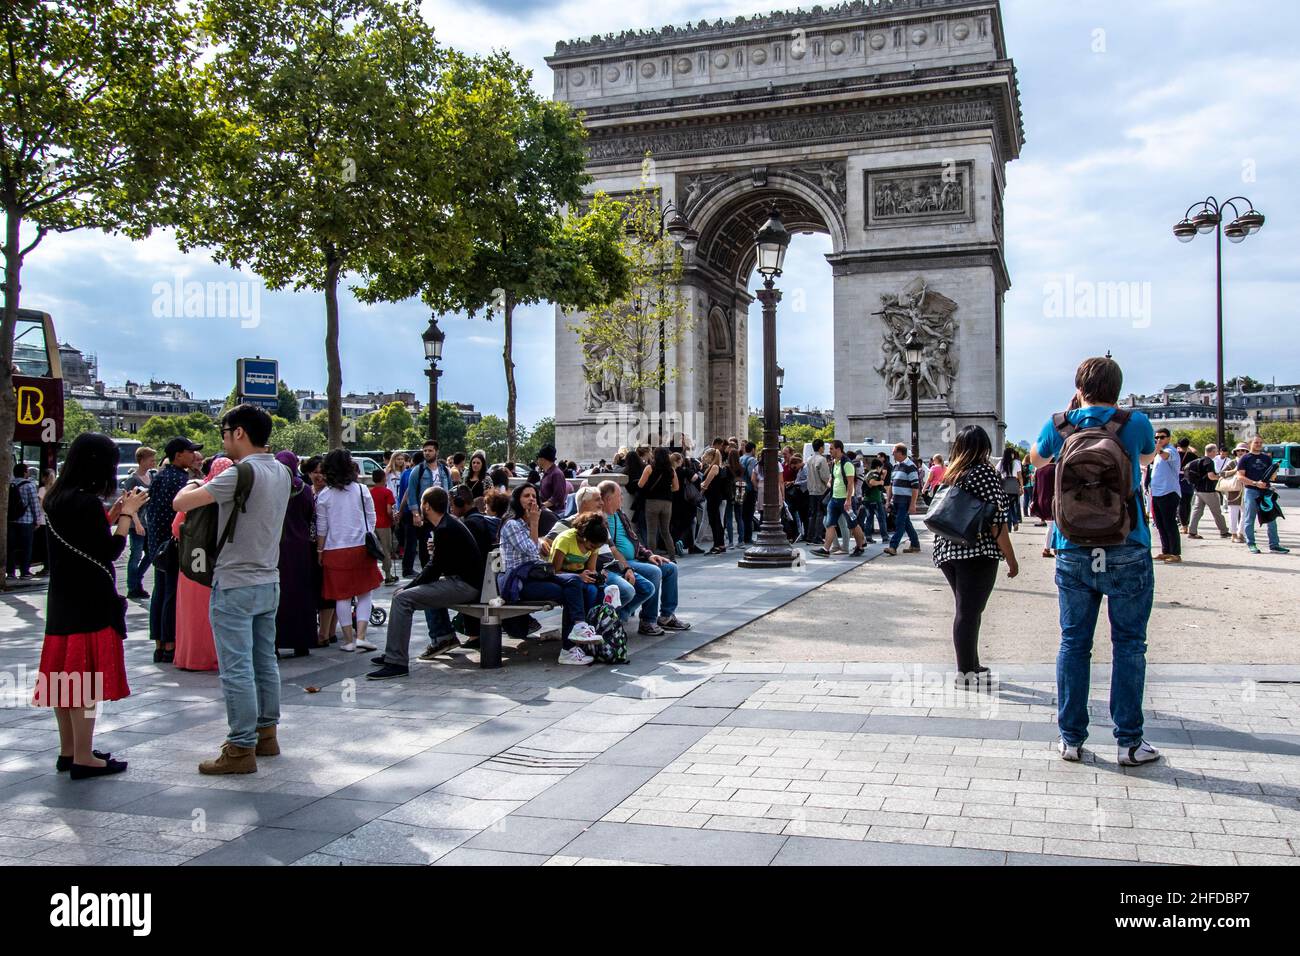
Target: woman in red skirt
{"type": "Point", "coordinates": [345, 512]}
{"type": "Point", "coordinates": [85, 618]}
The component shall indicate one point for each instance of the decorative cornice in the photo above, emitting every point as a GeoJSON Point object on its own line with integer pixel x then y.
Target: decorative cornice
{"type": "Point", "coordinates": [742, 26]}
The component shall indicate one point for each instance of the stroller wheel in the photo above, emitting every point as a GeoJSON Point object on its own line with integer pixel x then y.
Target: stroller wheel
{"type": "Point", "coordinates": [378, 616]}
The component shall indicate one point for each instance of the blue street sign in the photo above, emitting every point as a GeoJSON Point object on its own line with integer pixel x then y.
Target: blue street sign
{"type": "Point", "coordinates": [258, 378]}
{"type": "Point", "coordinates": [270, 404]}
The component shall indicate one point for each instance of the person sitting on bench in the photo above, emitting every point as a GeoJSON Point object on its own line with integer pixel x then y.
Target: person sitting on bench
{"type": "Point", "coordinates": [453, 575]}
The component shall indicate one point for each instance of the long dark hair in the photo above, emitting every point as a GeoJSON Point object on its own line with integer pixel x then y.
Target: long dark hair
{"type": "Point", "coordinates": [91, 468]}
{"type": "Point", "coordinates": [482, 473]}
{"type": "Point", "coordinates": [971, 447]}
{"type": "Point", "coordinates": [1006, 469]}
{"type": "Point", "coordinates": [339, 468]}
{"type": "Point", "coordinates": [516, 502]}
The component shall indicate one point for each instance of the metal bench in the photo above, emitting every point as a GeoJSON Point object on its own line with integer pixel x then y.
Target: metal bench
{"type": "Point", "coordinates": [490, 617]}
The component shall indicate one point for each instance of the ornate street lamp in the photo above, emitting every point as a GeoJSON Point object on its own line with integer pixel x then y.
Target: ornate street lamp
{"type": "Point", "coordinates": [912, 354]}
{"type": "Point", "coordinates": [433, 337]}
{"type": "Point", "coordinates": [770, 548]}
{"type": "Point", "coordinates": [1209, 218]}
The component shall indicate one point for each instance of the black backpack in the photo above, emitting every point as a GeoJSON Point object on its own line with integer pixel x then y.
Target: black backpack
{"type": "Point", "coordinates": [17, 506]}
{"type": "Point", "coordinates": [199, 543]}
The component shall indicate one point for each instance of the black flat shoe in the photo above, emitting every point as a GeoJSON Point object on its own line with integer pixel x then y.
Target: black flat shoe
{"type": "Point", "coordinates": [157, 655]}
{"type": "Point", "coordinates": [80, 772]}
{"type": "Point", "coordinates": [64, 764]}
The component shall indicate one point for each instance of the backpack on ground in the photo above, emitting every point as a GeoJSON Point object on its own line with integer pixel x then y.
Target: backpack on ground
{"type": "Point", "coordinates": [612, 648]}
{"type": "Point", "coordinates": [17, 506]}
{"type": "Point", "coordinates": [1094, 500]}
{"type": "Point", "coordinates": [199, 542]}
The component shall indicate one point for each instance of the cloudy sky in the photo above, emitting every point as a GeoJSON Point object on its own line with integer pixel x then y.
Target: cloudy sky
{"type": "Point", "coordinates": [1132, 111]}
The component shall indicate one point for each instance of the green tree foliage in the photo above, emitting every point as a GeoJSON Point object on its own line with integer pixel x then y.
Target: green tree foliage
{"type": "Point", "coordinates": [530, 241]}
{"type": "Point", "coordinates": [754, 432]}
{"type": "Point", "coordinates": [451, 429]}
{"type": "Point", "coordinates": [77, 420]}
{"type": "Point", "coordinates": [1247, 384]}
{"type": "Point", "coordinates": [542, 434]}
{"type": "Point", "coordinates": [335, 149]}
{"type": "Point", "coordinates": [1276, 432]}
{"type": "Point", "coordinates": [620, 339]}
{"type": "Point", "coordinates": [386, 427]}
{"type": "Point", "coordinates": [301, 438]}
{"type": "Point", "coordinates": [196, 426]}
{"type": "Point", "coordinates": [1200, 437]}
{"type": "Point", "coordinates": [97, 125]}
{"type": "Point", "coordinates": [490, 434]}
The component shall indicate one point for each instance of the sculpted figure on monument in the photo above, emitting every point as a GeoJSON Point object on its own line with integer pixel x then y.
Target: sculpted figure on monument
{"type": "Point", "coordinates": [916, 309]}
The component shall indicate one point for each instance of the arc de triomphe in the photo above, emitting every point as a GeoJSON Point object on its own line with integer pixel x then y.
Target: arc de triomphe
{"type": "Point", "coordinates": [886, 124]}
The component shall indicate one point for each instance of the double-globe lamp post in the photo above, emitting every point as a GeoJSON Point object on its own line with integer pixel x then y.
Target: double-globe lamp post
{"type": "Point", "coordinates": [770, 548]}
{"type": "Point", "coordinates": [1209, 218]}
{"type": "Point", "coordinates": [433, 337]}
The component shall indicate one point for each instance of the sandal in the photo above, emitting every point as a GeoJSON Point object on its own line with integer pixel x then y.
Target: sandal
{"type": "Point", "coordinates": [1049, 553]}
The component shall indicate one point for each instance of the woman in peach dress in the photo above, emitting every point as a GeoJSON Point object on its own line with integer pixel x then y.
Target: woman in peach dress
{"type": "Point", "coordinates": [195, 648]}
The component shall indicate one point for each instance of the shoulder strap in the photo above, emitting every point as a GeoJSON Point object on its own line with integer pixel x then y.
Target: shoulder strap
{"type": "Point", "coordinates": [243, 487]}
{"type": "Point", "coordinates": [1117, 422]}
{"type": "Point", "coordinates": [365, 518]}
{"type": "Point", "coordinates": [1061, 422]}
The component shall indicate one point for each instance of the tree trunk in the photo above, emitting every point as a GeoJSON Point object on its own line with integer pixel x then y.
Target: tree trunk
{"type": "Point", "coordinates": [333, 368]}
{"type": "Point", "coordinates": [511, 427]}
{"type": "Point", "coordinates": [8, 327]}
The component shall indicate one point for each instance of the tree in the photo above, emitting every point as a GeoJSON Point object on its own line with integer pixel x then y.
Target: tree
{"type": "Point", "coordinates": [196, 426]}
{"type": "Point", "coordinates": [1203, 384]}
{"type": "Point", "coordinates": [754, 432]}
{"type": "Point", "coordinates": [1247, 384]}
{"type": "Point", "coordinates": [491, 434]}
{"type": "Point", "coordinates": [620, 339]}
{"type": "Point", "coordinates": [542, 434]}
{"type": "Point", "coordinates": [333, 153]}
{"type": "Point", "coordinates": [529, 243]}
{"type": "Point", "coordinates": [387, 426]}
{"type": "Point", "coordinates": [77, 420]}
{"type": "Point", "coordinates": [451, 429]}
{"type": "Point", "coordinates": [301, 438]}
{"type": "Point", "coordinates": [1200, 437]}
{"type": "Point", "coordinates": [1278, 432]}
{"type": "Point", "coordinates": [97, 125]}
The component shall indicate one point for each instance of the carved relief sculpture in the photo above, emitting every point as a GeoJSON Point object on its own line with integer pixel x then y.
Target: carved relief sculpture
{"type": "Point", "coordinates": [932, 194]}
{"type": "Point", "coordinates": [932, 317]}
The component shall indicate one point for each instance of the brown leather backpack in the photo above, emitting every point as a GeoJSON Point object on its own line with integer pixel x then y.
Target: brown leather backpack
{"type": "Point", "coordinates": [1094, 502]}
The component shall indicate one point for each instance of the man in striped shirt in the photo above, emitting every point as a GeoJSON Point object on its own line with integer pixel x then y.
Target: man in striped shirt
{"type": "Point", "coordinates": [904, 486]}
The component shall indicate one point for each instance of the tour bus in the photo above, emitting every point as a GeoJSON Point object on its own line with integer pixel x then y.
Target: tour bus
{"type": "Point", "coordinates": [39, 388]}
{"type": "Point", "coordinates": [1287, 458]}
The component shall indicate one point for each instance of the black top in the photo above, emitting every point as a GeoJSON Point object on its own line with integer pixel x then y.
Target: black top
{"type": "Point", "coordinates": [1198, 472]}
{"type": "Point", "coordinates": [82, 594]}
{"type": "Point", "coordinates": [477, 487]}
{"type": "Point", "coordinates": [659, 486]}
{"type": "Point", "coordinates": [984, 483]}
{"type": "Point", "coordinates": [453, 553]}
{"type": "Point", "coordinates": [485, 529]}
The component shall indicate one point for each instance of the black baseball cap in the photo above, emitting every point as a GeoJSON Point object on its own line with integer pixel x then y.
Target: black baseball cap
{"type": "Point", "coordinates": [178, 445]}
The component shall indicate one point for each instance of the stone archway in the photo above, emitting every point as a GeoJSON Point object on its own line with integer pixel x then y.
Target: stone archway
{"type": "Point", "coordinates": [887, 126]}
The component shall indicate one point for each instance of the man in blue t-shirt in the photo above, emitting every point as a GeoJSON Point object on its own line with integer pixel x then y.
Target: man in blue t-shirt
{"type": "Point", "coordinates": [1122, 572]}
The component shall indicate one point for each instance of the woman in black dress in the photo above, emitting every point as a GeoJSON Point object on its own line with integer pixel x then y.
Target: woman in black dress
{"type": "Point", "coordinates": [295, 626]}
{"type": "Point", "coordinates": [717, 487]}
{"type": "Point", "coordinates": [85, 618]}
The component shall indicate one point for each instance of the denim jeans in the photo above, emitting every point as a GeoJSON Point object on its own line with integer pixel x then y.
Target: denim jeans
{"type": "Point", "coordinates": [729, 519]}
{"type": "Point", "coordinates": [874, 511]}
{"type": "Point", "coordinates": [567, 590]}
{"type": "Point", "coordinates": [664, 579]}
{"type": "Point", "coordinates": [1250, 498]}
{"type": "Point", "coordinates": [137, 562]}
{"type": "Point", "coordinates": [1123, 574]}
{"type": "Point", "coordinates": [632, 596]}
{"type": "Point", "coordinates": [243, 630]}
{"type": "Point", "coordinates": [903, 523]}
{"type": "Point", "coordinates": [433, 598]}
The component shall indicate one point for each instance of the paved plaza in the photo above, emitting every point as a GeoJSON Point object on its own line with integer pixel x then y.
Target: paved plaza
{"type": "Point", "coordinates": [672, 759]}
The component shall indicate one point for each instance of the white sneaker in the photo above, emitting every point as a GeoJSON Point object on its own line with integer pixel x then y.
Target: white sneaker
{"type": "Point", "coordinates": [1071, 752]}
{"type": "Point", "coordinates": [349, 647]}
{"type": "Point", "coordinates": [575, 656]}
{"type": "Point", "coordinates": [584, 633]}
{"type": "Point", "coordinates": [1143, 753]}
{"type": "Point", "coordinates": [364, 645]}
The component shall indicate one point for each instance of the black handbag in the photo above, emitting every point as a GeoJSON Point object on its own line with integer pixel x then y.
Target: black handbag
{"type": "Point", "coordinates": [958, 515]}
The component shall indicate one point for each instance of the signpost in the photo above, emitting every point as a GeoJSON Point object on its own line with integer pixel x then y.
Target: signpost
{"type": "Point", "coordinates": [40, 410]}
{"type": "Point", "coordinates": [258, 382]}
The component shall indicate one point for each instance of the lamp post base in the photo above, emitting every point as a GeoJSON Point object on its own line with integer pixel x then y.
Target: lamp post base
{"type": "Point", "coordinates": [769, 550]}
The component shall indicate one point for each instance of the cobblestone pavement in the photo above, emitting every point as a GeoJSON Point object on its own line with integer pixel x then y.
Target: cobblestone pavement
{"type": "Point", "coordinates": [662, 761]}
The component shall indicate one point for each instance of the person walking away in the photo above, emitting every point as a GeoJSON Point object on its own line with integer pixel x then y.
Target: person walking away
{"type": "Point", "coordinates": [300, 588]}
{"type": "Point", "coordinates": [1166, 478]}
{"type": "Point", "coordinates": [934, 479]}
{"type": "Point", "coordinates": [749, 501]}
{"type": "Point", "coordinates": [1027, 477]}
{"type": "Point", "coordinates": [1085, 573]}
{"type": "Point", "coordinates": [873, 500]}
{"type": "Point", "coordinates": [196, 648]}
{"type": "Point", "coordinates": [428, 473]}
{"type": "Point", "coordinates": [903, 489]}
{"type": "Point", "coordinates": [1186, 455]}
{"type": "Point", "coordinates": [1233, 497]}
{"type": "Point", "coordinates": [657, 484]}
{"type": "Point", "coordinates": [24, 506]}
{"type": "Point", "coordinates": [246, 590]}
{"type": "Point", "coordinates": [1256, 469]}
{"type": "Point", "coordinates": [82, 664]}
{"type": "Point", "coordinates": [1203, 475]}
{"type": "Point", "coordinates": [1009, 470]}
{"type": "Point", "coordinates": [819, 480]}
{"type": "Point", "coordinates": [971, 570]}
{"type": "Point", "coordinates": [181, 454]}
{"type": "Point", "coordinates": [385, 505]}
{"type": "Point", "coordinates": [454, 575]}
{"type": "Point", "coordinates": [843, 478]}
{"type": "Point", "coordinates": [1044, 497]}
{"type": "Point", "coordinates": [146, 460]}
{"type": "Point", "coordinates": [716, 487]}
{"type": "Point", "coordinates": [345, 513]}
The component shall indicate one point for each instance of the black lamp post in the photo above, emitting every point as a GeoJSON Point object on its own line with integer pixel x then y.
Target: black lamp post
{"type": "Point", "coordinates": [1209, 217]}
{"type": "Point", "coordinates": [433, 338]}
{"type": "Point", "coordinates": [770, 548]}
{"type": "Point", "coordinates": [912, 354]}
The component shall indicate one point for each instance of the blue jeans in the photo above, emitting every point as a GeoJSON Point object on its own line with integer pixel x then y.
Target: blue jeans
{"type": "Point", "coordinates": [1250, 499]}
{"type": "Point", "coordinates": [729, 519]}
{"type": "Point", "coordinates": [1123, 574]}
{"type": "Point", "coordinates": [243, 629]}
{"type": "Point", "coordinates": [663, 577]}
{"type": "Point", "coordinates": [632, 596]}
{"type": "Point", "coordinates": [137, 562]}
{"type": "Point", "coordinates": [903, 522]}
{"type": "Point", "coordinates": [567, 590]}
{"type": "Point", "coordinates": [872, 512]}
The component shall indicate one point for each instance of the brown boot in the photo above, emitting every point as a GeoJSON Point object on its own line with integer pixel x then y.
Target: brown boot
{"type": "Point", "coordinates": [233, 759]}
{"type": "Point", "coordinates": [267, 745]}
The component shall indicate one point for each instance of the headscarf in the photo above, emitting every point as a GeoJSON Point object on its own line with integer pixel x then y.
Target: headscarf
{"type": "Point", "coordinates": [290, 461]}
{"type": "Point", "coordinates": [218, 466]}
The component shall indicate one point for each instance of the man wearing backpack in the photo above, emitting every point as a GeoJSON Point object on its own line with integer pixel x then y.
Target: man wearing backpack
{"type": "Point", "coordinates": [747, 463]}
{"type": "Point", "coordinates": [843, 482]}
{"type": "Point", "coordinates": [1100, 450]}
{"type": "Point", "coordinates": [246, 587]}
{"type": "Point", "coordinates": [819, 479]}
{"type": "Point", "coordinates": [23, 508]}
{"type": "Point", "coordinates": [1203, 473]}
